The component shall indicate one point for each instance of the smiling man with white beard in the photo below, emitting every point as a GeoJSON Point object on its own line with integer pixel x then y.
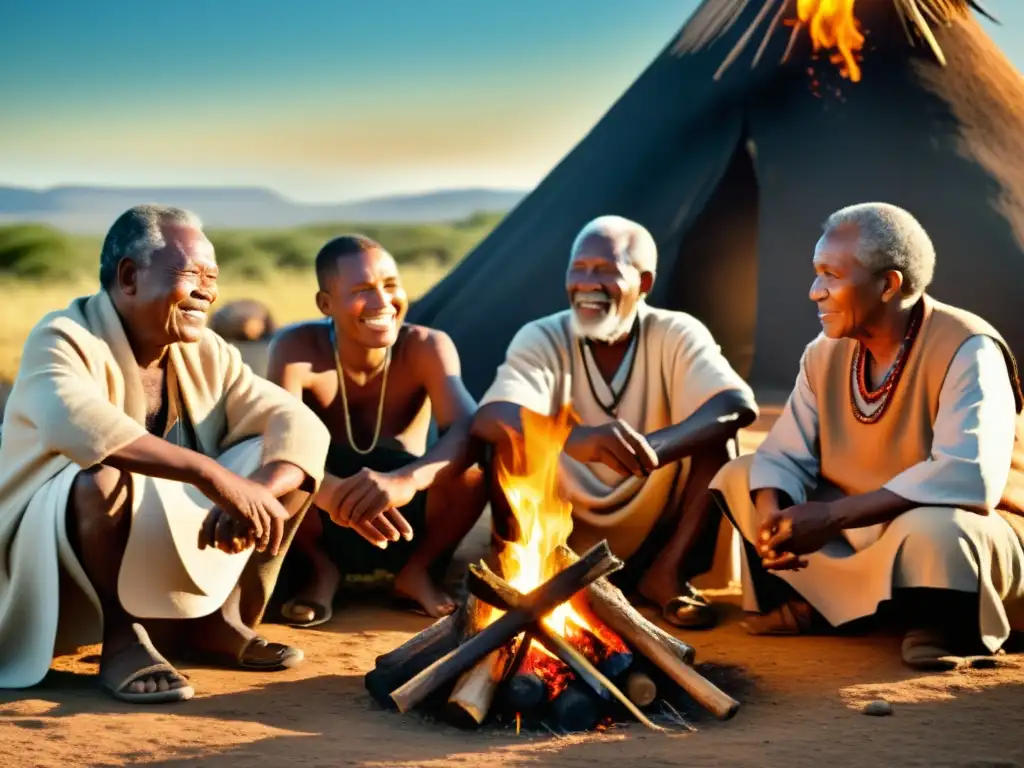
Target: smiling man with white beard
{"type": "Point", "coordinates": [658, 405]}
{"type": "Point", "coordinates": [388, 502]}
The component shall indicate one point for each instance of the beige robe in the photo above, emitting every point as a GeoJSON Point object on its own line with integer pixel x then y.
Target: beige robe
{"type": "Point", "coordinates": [678, 368]}
{"type": "Point", "coordinates": [78, 399]}
{"type": "Point", "coordinates": [939, 544]}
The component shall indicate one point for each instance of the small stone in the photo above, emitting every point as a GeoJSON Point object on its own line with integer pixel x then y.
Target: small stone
{"type": "Point", "coordinates": [879, 708]}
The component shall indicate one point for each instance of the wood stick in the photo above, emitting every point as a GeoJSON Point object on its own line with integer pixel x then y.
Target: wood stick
{"type": "Point", "coordinates": [452, 625]}
{"type": "Point", "coordinates": [597, 562]}
{"type": "Point", "coordinates": [670, 654]}
{"type": "Point", "coordinates": [641, 689]}
{"type": "Point", "coordinates": [510, 598]}
{"type": "Point", "coordinates": [416, 654]}
{"type": "Point", "coordinates": [474, 692]}
{"type": "Point", "coordinates": [611, 606]}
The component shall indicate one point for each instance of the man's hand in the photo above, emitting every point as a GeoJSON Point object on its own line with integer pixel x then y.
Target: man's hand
{"type": "Point", "coordinates": [368, 502]}
{"type": "Point", "coordinates": [799, 530]}
{"type": "Point", "coordinates": [616, 445]}
{"type": "Point", "coordinates": [246, 514]}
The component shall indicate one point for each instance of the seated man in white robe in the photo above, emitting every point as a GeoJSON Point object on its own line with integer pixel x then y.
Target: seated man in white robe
{"type": "Point", "coordinates": [149, 481]}
{"type": "Point", "coordinates": [658, 405]}
{"type": "Point", "coordinates": [890, 479]}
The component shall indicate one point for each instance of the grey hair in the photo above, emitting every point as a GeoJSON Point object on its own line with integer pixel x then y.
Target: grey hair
{"type": "Point", "coordinates": [629, 238]}
{"type": "Point", "coordinates": [889, 238]}
{"type": "Point", "coordinates": [137, 234]}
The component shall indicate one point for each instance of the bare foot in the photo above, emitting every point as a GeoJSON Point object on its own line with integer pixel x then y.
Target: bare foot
{"type": "Point", "coordinates": [313, 603]}
{"type": "Point", "coordinates": [416, 584]}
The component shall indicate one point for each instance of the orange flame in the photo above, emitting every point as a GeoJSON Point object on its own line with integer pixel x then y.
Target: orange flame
{"type": "Point", "coordinates": [544, 522]}
{"type": "Point", "coordinates": [543, 518]}
{"type": "Point", "coordinates": [832, 24]}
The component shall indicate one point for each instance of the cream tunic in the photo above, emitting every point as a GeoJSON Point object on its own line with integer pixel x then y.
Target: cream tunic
{"type": "Point", "coordinates": [938, 544]}
{"type": "Point", "coordinates": [678, 368]}
{"type": "Point", "coordinates": [78, 399]}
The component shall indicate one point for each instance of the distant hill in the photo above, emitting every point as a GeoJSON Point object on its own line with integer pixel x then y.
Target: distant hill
{"type": "Point", "coordinates": [90, 210]}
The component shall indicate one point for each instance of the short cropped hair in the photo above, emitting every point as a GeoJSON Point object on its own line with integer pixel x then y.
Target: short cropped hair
{"type": "Point", "coordinates": [889, 238]}
{"type": "Point", "coordinates": [339, 248]}
{"type": "Point", "coordinates": [629, 238]}
{"type": "Point", "coordinates": [137, 234]}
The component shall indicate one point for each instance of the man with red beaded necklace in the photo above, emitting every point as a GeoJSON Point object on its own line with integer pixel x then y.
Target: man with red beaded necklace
{"type": "Point", "coordinates": [892, 477]}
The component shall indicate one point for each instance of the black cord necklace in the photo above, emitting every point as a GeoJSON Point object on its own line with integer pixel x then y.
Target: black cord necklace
{"type": "Point", "coordinates": [610, 409]}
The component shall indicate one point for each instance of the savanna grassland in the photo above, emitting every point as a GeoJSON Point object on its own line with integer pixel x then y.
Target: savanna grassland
{"type": "Point", "coordinates": [42, 268]}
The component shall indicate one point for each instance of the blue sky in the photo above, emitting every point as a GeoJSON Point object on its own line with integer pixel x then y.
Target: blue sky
{"type": "Point", "coordinates": [323, 100]}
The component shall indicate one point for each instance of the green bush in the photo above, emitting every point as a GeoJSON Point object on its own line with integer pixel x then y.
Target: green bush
{"type": "Point", "coordinates": [40, 252]}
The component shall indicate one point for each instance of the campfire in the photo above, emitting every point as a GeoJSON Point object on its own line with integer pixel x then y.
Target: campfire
{"type": "Point", "coordinates": [544, 637]}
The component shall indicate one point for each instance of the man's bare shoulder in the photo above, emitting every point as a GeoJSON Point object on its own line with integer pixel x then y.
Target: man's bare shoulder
{"type": "Point", "coordinates": [303, 342]}
{"type": "Point", "coordinates": [427, 345]}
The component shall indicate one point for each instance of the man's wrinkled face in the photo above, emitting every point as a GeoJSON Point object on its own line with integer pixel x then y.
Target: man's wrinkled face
{"type": "Point", "coordinates": [171, 295]}
{"type": "Point", "coordinates": [365, 298]}
{"type": "Point", "coordinates": [849, 296]}
{"type": "Point", "coordinates": [604, 290]}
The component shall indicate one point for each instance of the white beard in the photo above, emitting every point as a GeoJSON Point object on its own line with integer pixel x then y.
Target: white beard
{"type": "Point", "coordinates": [606, 330]}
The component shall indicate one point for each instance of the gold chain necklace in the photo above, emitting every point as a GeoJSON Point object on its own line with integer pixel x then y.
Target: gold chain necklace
{"type": "Point", "coordinates": [344, 397]}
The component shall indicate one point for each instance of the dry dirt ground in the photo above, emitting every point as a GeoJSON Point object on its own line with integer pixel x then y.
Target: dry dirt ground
{"type": "Point", "coordinates": [802, 700]}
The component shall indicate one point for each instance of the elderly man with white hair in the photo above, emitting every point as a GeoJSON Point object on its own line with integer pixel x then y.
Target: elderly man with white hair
{"type": "Point", "coordinates": [892, 476]}
{"type": "Point", "coordinates": [658, 405]}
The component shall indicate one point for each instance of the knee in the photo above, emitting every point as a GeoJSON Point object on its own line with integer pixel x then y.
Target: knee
{"type": "Point", "coordinates": [930, 534]}
{"type": "Point", "coordinates": [101, 495]}
{"type": "Point", "coordinates": [466, 490]}
{"type": "Point", "coordinates": [733, 473]}
{"type": "Point", "coordinates": [711, 459]}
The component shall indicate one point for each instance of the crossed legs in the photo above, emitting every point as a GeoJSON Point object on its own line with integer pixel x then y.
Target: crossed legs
{"type": "Point", "coordinates": [98, 523]}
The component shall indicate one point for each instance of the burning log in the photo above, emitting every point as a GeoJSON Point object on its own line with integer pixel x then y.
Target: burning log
{"type": "Point", "coordinates": [488, 586]}
{"type": "Point", "coordinates": [641, 689]}
{"type": "Point", "coordinates": [575, 709]}
{"type": "Point", "coordinates": [670, 654]}
{"type": "Point", "coordinates": [597, 562]}
{"type": "Point", "coordinates": [397, 667]}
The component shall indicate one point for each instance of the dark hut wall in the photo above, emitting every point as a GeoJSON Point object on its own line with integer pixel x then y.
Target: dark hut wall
{"type": "Point", "coordinates": [944, 142]}
{"type": "Point", "coordinates": [897, 136]}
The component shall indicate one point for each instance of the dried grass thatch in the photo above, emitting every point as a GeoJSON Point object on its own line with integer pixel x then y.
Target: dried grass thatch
{"type": "Point", "coordinates": [713, 19]}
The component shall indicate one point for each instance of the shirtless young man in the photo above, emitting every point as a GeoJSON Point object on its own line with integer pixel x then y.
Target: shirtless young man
{"type": "Point", "coordinates": [387, 502]}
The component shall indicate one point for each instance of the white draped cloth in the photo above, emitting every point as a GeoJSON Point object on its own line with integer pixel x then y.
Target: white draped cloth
{"type": "Point", "coordinates": [676, 368]}
{"type": "Point", "coordinates": [939, 544]}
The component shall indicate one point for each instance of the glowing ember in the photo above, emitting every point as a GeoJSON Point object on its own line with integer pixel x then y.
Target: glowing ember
{"type": "Point", "coordinates": [832, 25]}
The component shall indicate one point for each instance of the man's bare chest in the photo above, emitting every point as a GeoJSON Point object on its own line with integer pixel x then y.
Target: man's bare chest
{"type": "Point", "coordinates": [154, 387]}
{"type": "Point", "coordinates": [403, 399]}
